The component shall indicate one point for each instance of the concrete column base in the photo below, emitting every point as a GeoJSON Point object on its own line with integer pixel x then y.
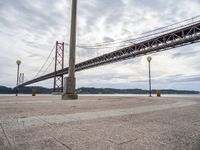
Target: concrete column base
{"type": "Point", "coordinates": [69, 96]}
{"type": "Point", "coordinates": [69, 89]}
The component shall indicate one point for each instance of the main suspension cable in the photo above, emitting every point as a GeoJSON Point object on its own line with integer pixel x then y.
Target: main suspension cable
{"type": "Point", "coordinates": [45, 62]}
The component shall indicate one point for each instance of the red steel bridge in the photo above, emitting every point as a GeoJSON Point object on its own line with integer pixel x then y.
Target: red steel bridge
{"type": "Point", "coordinates": [172, 36]}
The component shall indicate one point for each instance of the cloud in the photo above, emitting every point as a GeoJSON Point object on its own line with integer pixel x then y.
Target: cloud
{"type": "Point", "coordinates": [29, 29]}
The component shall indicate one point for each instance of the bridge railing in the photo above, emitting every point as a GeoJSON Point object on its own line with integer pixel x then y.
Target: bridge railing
{"type": "Point", "coordinates": [164, 30]}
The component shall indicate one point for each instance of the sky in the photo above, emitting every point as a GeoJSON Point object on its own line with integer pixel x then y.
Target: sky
{"type": "Point", "coordinates": [30, 29]}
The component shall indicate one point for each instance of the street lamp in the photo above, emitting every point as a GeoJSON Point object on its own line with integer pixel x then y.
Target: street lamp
{"type": "Point", "coordinates": [149, 58]}
{"type": "Point", "coordinates": [18, 62]}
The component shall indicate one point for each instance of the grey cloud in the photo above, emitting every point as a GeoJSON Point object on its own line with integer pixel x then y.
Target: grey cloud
{"type": "Point", "coordinates": [110, 12]}
{"type": "Point", "coordinates": [27, 14]}
{"type": "Point", "coordinates": [186, 52]}
{"type": "Point", "coordinates": [35, 55]}
{"type": "Point", "coordinates": [21, 16]}
{"type": "Point", "coordinates": [178, 78]}
{"type": "Point", "coordinates": [190, 79]}
{"type": "Point", "coordinates": [108, 39]}
{"type": "Point", "coordinates": [34, 26]}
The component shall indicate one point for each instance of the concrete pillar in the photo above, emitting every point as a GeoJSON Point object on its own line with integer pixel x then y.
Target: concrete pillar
{"type": "Point", "coordinates": [70, 81]}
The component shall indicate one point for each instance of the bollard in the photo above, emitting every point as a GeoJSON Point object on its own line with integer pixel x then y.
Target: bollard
{"type": "Point", "coordinates": [158, 93]}
{"type": "Point", "coordinates": [33, 92]}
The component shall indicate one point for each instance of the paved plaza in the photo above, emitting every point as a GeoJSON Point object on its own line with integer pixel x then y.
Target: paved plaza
{"type": "Point", "coordinates": [99, 123]}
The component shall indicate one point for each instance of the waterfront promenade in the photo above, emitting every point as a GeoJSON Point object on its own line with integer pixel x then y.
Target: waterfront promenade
{"type": "Point", "coordinates": [99, 122]}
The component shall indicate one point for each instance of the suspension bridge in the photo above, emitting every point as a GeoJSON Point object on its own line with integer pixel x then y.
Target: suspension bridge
{"type": "Point", "coordinates": [90, 56]}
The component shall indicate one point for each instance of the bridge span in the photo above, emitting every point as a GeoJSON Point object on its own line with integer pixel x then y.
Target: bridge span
{"type": "Point", "coordinates": [176, 37]}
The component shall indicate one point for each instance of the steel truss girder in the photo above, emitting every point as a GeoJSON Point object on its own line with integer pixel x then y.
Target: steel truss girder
{"type": "Point", "coordinates": [180, 37]}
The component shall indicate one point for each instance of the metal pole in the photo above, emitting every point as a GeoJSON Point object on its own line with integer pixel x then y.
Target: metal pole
{"type": "Point", "coordinates": [62, 82]}
{"type": "Point", "coordinates": [22, 81]}
{"type": "Point", "coordinates": [17, 90]}
{"type": "Point", "coordinates": [149, 79]}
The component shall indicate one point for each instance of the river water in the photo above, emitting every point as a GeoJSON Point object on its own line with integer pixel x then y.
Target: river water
{"type": "Point", "coordinates": [126, 95]}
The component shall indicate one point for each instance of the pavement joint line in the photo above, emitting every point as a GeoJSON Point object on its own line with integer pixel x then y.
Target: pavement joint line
{"type": "Point", "coordinates": [39, 121]}
{"type": "Point", "coordinates": [63, 144]}
{"type": "Point", "coordinates": [7, 139]}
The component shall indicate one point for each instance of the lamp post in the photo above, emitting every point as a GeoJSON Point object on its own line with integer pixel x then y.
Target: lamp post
{"type": "Point", "coordinates": [149, 58]}
{"type": "Point", "coordinates": [18, 62]}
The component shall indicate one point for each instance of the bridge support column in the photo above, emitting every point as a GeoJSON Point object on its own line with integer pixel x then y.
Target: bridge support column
{"type": "Point", "coordinates": [70, 82]}
{"type": "Point", "coordinates": [69, 89]}
{"type": "Point", "coordinates": [59, 65]}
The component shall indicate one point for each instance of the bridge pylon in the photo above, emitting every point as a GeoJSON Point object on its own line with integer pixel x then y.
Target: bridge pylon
{"type": "Point", "coordinates": [59, 65]}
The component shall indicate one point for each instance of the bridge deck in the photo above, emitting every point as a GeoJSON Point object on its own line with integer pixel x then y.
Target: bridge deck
{"type": "Point", "coordinates": [182, 36]}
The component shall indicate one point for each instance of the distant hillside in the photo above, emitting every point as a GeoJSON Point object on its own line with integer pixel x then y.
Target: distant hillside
{"type": "Point", "coordinates": [88, 90]}
{"type": "Point", "coordinates": [25, 90]}
{"type": "Point", "coordinates": [39, 90]}
{"type": "Point", "coordinates": [5, 90]}
{"type": "Point", "coordinates": [130, 91]}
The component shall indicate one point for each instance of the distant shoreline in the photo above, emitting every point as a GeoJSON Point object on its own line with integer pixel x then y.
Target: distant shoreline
{"type": "Point", "coordinates": [93, 91]}
{"type": "Point", "coordinates": [182, 96]}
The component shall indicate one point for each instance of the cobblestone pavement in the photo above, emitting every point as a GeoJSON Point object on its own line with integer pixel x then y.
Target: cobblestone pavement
{"type": "Point", "coordinates": [119, 123]}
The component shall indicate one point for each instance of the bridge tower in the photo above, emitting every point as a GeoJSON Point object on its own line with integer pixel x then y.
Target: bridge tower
{"type": "Point", "coordinates": [59, 65]}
